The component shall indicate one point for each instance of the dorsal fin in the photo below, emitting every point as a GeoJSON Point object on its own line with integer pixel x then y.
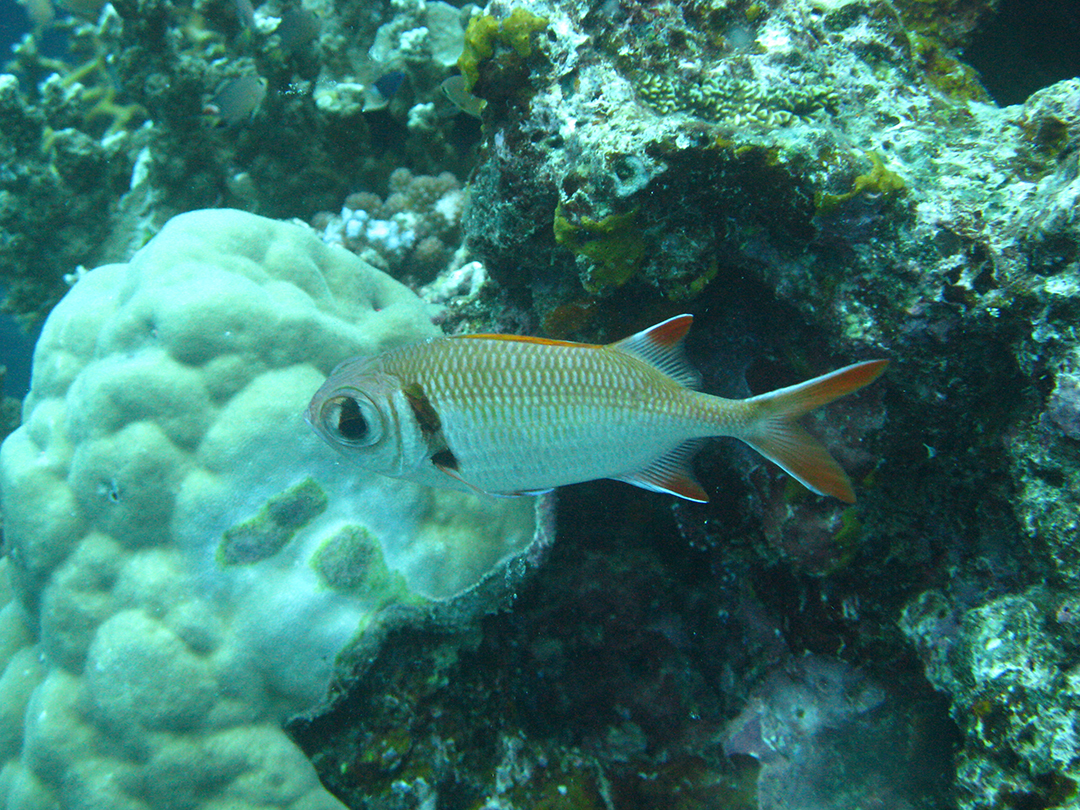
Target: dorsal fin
{"type": "Point", "coordinates": [539, 341]}
{"type": "Point", "coordinates": [661, 346]}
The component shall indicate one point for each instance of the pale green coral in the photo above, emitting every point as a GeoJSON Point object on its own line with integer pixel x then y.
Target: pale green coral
{"type": "Point", "coordinates": [726, 96]}
{"type": "Point", "coordinates": [189, 564]}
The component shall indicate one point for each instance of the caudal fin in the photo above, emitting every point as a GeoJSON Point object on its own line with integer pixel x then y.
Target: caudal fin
{"type": "Point", "coordinates": [777, 435]}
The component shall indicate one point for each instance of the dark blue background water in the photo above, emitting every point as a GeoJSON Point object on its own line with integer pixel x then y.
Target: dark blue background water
{"type": "Point", "coordinates": [16, 347]}
{"type": "Point", "coordinates": [13, 24]}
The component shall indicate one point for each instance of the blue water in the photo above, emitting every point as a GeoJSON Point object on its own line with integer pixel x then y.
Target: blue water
{"type": "Point", "coordinates": [13, 24]}
{"type": "Point", "coordinates": [16, 350]}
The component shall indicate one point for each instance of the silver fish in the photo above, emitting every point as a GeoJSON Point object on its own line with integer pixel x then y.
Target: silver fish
{"type": "Point", "coordinates": [511, 415]}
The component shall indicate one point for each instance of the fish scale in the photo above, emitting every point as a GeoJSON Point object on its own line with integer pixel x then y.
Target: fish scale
{"type": "Point", "coordinates": [514, 415]}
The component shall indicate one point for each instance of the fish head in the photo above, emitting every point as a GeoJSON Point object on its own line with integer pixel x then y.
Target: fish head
{"type": "Point", "coordinates": [356, 411]}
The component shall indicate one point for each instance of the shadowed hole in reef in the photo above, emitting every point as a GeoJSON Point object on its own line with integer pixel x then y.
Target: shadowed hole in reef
{"type": "Point", "coordinates": [1026, 46]}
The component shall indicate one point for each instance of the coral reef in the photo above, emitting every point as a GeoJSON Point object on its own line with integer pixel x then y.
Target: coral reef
{"type": "Point", "coordinates": [58, 188]}
{"type": "Point", "coordinates": [823, 180]}
{"type": "Point", "coordinates": [1010, 671]}
{"type": "Point", "coordinates": [163, 107]}
{"type": "Point", "coordinates": [818, 181]}
{"type": "Point", "coordinates": [624, 677]}
{"type": "Point", "coordinates": [188, 566]}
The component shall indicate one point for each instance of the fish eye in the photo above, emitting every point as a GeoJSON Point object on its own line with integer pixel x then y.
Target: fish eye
{"type": "Point", "coordinates": [352, 421]}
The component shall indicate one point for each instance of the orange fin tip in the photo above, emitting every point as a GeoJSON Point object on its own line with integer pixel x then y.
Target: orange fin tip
{"type": "Point", "coordinates": [661, 347]}
{"type": "Point", "coordinates": [778, 437]}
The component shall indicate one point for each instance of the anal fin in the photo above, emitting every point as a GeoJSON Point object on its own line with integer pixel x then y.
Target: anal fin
{"type": "Point", "coordinates": [671, 474]}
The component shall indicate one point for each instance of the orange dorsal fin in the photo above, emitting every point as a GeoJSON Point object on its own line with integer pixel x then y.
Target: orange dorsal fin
{"type": "Point", "coordinates": [661, 346]}
{"type": "Point", "coordinates": [671, 473]}
{"type": "Point", "coordinates": [539, 341]}
{"type": "Point", "coordinates": [777, 436]}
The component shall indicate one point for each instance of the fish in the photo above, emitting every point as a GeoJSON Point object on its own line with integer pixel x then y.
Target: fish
{"type": "Point", "coordinates": [377, 95]}
{"type": "Point", "coordinates": [513, 415]}
{"type": "Point", "coordinates": [237, 100]}
{"type": "Point", "coordinates": [455, 88]}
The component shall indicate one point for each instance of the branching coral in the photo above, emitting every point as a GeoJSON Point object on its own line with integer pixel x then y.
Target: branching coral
{"type": "Point", "coordinates": [412, 233]}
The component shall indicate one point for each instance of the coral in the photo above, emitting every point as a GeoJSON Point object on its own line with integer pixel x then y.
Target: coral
{"type": "Point", "coordinates": [818, 181]}
{"type": "Point", "coordinates": [1009, 667]}
{"type": "Point", "coordinates": [188, 565]}
{"type": "Point", "coordinates": [879, 180]}
{"type": "Point", "coordinates": [800, 718]}
{"type": "Point", "coordinates": [952, 22]}
{"type": "Point", "coordinates": [420, 34]}
{"type": "Point", "coordinates": [948, 75]}
{"type": "Point", "coordinates": [725, 96]}
{"type": "Point", "coordinates": [600, 688]}
{"type": "Point", "coordinates": [278, 112]}
{"type": "Point", "coordinates": [57, 189]}
{"type": "Point", "coordinates": [1063, 407]}
{"type": "Point", "coordinates": [412, 234]}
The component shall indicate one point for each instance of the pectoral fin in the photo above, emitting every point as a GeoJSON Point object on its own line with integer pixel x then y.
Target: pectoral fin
{"type": "Point", "coordinates": [445, 462]}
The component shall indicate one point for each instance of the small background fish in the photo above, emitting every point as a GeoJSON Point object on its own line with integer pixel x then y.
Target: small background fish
{"type": "Point", "coordinates": [511, 415]}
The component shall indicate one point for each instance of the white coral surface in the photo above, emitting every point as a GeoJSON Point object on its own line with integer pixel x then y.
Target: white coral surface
{"type": "Point", "coordinates": [188, 563]}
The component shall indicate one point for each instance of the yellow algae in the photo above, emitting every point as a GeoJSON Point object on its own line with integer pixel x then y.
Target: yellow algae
{"type": "Point", "coordinates": [483, 33]}
{"type": "Point", "coordinates": [613, 244]}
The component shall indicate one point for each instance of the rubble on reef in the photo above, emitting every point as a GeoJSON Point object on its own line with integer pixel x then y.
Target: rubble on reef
{"type": "Point", "coordinates": [819, 182]}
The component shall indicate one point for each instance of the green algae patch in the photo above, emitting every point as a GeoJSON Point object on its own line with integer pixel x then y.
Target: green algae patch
{"type": "Point", "coordinates": [950, 77]}
{"type": "Point", "coordinates": [265, 534]}
{"type": "Point", "coordinates": [571, 784]}
{"type": "Point", "coordinates": [695, 285]}
{"type": "Point", "coordinates": [879, 180]}
{"type": "Point", "coordinates": [351, 561]}
{"type": "Point", "coordinates": [483, 33]}
{"type": "Point", "coordinates": [613, 244]}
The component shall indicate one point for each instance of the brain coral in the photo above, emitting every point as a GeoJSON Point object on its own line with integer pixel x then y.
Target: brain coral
{"type": "Point", "coordinates": [189, 564]}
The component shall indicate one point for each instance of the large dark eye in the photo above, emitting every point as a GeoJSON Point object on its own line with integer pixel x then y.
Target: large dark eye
{"type": "Point", "coordinates": [352, 421]}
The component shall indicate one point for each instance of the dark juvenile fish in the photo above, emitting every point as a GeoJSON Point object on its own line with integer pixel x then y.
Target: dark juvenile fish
{"type": "Point", "coordinates": [237, 100]}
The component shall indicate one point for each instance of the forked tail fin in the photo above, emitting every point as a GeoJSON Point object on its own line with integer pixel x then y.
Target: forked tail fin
{"type": "Point", "coordinates": [776, 434]}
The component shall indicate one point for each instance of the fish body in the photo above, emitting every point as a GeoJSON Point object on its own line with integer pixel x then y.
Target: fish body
{"type": "Point", "coordinates": [512, 415]}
